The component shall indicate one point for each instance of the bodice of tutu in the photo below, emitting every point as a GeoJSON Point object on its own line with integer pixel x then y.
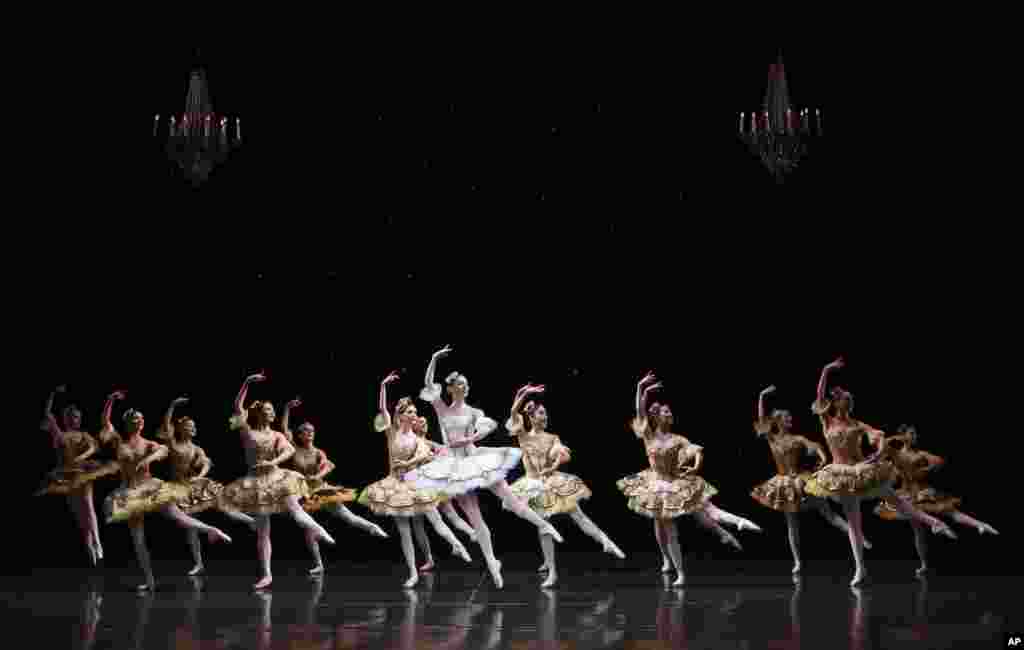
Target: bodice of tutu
{"type": "Point", "coordinates": [264, 447]}
{"type": "Point", "coordinates": [844, 441]}
{"type": "Point", "coordinates": [186, 460]}
{"type": "Point", "coordinates": [668, 454]}
{"type": "Point", "coordinates": [307, 461]}
{"type": "Point", "coordinates": [541, 453]}
{"type": "Point", "coordinates": [406, 446]}
{"type": "Point", "coordinates": [913, 467]}
{"type": "Point", "coordinates": [129, 458]}
{"type": "Point", "coordinates": [72, 445]}
{"type": "Point", "coordinates": [460, 427]}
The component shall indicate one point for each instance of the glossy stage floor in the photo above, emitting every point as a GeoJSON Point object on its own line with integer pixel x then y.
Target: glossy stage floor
{"type": "Point", "coordinates": [357, 605]}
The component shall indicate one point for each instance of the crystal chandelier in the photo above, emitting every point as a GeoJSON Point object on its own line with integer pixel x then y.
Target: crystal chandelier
{"type": "Point", "coordinates": [774, 136]}
{"type": "Point", "coordinates": [198, 139]}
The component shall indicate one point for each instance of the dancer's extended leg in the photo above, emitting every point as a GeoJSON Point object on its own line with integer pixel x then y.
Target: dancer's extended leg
{"type": "Point", "coordinates": [822, 507]}
{"type": "Point", "coordinates": [704, 520]}
{"type": "Point", "coordinates": [352, 519]}
{"type": "Point", "coordinates": [967, 520]}
{"type": "Point", "coordinates": [446, 534]}
{"type": "Point", "coordinates": [448, 510]}
{"type": "Point", "coordinates": [851, 507]}
{"type": "Point", "coordinates": [302, 518]}
{"type": "Point", "coordinates": [730, 519]}
{"type": "Point", "coordinates": [547, 545]}
{"type": "Point", "coordinates": [908, 510]}
{"type": "Point", "coordinates": [241, 518]}
{"type": "Point", "coordinates": [186, 521]}
{"type": "Point", "coordinates": [519, 506]}
{"type": "Point", "coordinates": [408, 551]}
{"type": "Point", "coordinates": [590, 528]}
{"type": "Point", "coordinates": [469, 505]}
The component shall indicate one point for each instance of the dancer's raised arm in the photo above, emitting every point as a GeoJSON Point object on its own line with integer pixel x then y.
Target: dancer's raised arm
{"type": "Point", "coordinates": [383, 421]}
{"type": "Point", "coordinates": [286, 417]}
{"type": "Point", "coordinates": [50, 424]}
{"type": "Point", "coordinates": [240, 418]}
{"type": "Point", "coordinates": [643, 387]}
{"type": "Point", "coordinates": [823, 380]}
{"type": "Point", "coordinates": [431, 389]}
{"type": "Point", "coordinates": [760, 402]}
{"type": "Point", "coordinates": [166, 431]}
{"type": "Point", "coordinates": [107, 432]}
{"type": "Point", "coordinates": [515, 423]}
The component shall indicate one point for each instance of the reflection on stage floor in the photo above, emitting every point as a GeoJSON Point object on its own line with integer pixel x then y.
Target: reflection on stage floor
{"type": "Point", "coordinates": [364, 606]}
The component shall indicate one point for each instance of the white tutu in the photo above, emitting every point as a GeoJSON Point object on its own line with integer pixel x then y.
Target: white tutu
{"type": "Point", "coordinates": [463, 471]}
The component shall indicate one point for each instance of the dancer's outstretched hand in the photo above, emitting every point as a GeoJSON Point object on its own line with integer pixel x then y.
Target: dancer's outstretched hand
{"type": "Point", "coordinates": [648, 378]}
{"type": "Point", "coordinates": [392, 376]}
{"type": "Point", "coordinates": [295, 403]}
{"type": "Point", "coordinates": [769, 389]}
{"type": "Point", "coordinates": [256, 378]}
{"type": "Point", "coordinates": [443, 352]}
{"type": "Point", "coordinates": [118, 394]}
{"type": "Point", "coordinates": [179, 401]}
{"type": "Point", "coordinates": [838, 363]}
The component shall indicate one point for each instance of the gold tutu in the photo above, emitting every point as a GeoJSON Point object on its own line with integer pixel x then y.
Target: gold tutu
{"type": "Point", "coordinates": [865, 480]}
{"type": "Point", "coordinates": [927, 500]}
{"type": "Point", "coordinates": [783, 493]}
{"type": "Point", "coordinates": [323, 494]}
{"type": "Point", "coordinates": [555, 493]}
{"type": "Point", "coordinates": [65, 480]}
{"type": "Point", "coordinates": [263, 492]}
{"type": "Point", "coordinates": [660, 498]}
{"type": "Point", "coordinates": [396, 498]}
{"type": "Point", "coordinates": [149, 495]}
{"type": "Point", "coordinates": [202, 494]}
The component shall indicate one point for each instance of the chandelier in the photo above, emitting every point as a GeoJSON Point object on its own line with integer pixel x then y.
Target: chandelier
{"type": "Point", "coordinates": [775, 135]}
{"type": "Point", "coordinates": [198, 139]}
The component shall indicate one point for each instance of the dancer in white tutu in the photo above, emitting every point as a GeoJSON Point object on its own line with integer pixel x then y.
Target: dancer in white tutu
{"type": "Point", "coordinates": [467, 468]}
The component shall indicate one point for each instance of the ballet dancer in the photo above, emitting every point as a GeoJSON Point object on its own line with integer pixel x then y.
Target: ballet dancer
{"type": "Point", "coordinates": [672, 487]}
{"type": "Point", "coordinates": [76, 471]}
{"type": "Point", "coordinates": [548, 491]}
{"type": "Point", "coordinates": [784, 492]}
{"type": "Point", "coordinates": [467, 468]}
{"type": "Point", "coordinates": [267, 489]}
{"type": "Point", "coordinates": [914, 465]}
{"type": "Point", "coordinates": [314, 464]}
{"type": "Point", "coordinates": [851, 478]}
{"type": "Point", "coordinates": [189, 467]}
{"type": "Point", "coordinates": [140, 492]}
{"type": "Point", "coordinates": [398, 498]}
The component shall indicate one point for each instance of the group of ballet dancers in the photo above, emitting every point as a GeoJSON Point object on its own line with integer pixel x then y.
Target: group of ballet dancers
{"type": "Point", "coordinates": [426, 478]}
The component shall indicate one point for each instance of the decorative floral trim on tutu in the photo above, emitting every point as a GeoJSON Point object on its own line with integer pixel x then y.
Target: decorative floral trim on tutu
{"type": "Point", "coordinates": [659, 498]}
{"type": "Point", "coordinates": [782, 493]}
{"type": "Point", "coordinates": [556, 493]}
{"type": "Point", "coordinates": [865, 480]}
{"type": "Point", "coordinates": [395, 498]}
{"type": "Point", "coordinates": [454, 475]}
{"type": "Point", "coordinates": [65, 480]}
{"type": "Point", "coordinates": [322, 495]}
{"type": "Point", "coordinates": [927, 500]}
{"type": "Point", "coordinates": [150, 495]}
{"type": "Point", "coordinates": [263, 493]}
{"type": "Point", "coordinates": [202, 494]}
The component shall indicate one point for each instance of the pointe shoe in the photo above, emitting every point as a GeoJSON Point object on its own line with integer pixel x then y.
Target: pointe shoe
{"type": "Point", "coordinates": [867, 544]}
{"type": "Point", "coordinates": [943, 529]}
{"type": "Point", "coordinates": [217, 535]}
{"type": "Point", "coordinates": [543, 568]}
{"type": "Point", "coordinates": [263, 583]}
{"type": "Point", "coordinates": [196, 570]}
{"type": "Point", "coordinates": [921, 571]}
{"type": "Point", "coordinates": [327, 538]}
{"type": "Point", "coordinates": [495, 570]}
{"type": "Point", "coordinates": [461, 551]}
{"type": "Point", "coordinates": [428, 566]}
{"type": "Point", "coordinates": [666, 566]}
{"type": "Point", "coordinates": [550, 530]}
{"type": "Point", "coordinates": [377, 531]}
{"type": "Point", "coordinates": [318, 570]}
{"type": "Point", "coordinates": [610, 547]}
{"type": "Point", "coordinates": [985, 528]}
{"type": "Point", "coordinates": [746, 524]}
{"type": "Point", "coordinates": [473, 537]}
{"type": "Point", "coordinates": [797, 569]}
{"type": "Point", "coordinates": [680, 580]}
{"type": "Point", "coordinates": [550, 581]}
{"type": "Point", "coordinates": [859, 579]}
{"type": "Point", "coordinates": [411, 582]}
{"type": "Point", "coordinates": [733, 542]}
{"type": "Point", "coordinates": [92, 554]}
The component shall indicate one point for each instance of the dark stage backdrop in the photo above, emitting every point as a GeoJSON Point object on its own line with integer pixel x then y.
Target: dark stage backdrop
{"type": "Point", "coordinates": [573, 223]}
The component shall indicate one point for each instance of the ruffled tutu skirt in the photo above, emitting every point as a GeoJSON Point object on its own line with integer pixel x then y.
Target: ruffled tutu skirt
{"type": "Point", "coordinates": [322, 495]}
{"type": "Point", "coordinates": [659, 498]}
{"type": "Point", "coordinates": [202, 494]}
{"type": "Point", "coordinates": [455, 474]}
{"type": "Point", "coordinates": [865, 480]}
{"type": "Point", "coordinates": [556, 493]}
{"type": "Point", "coordinates": [263, 492]}
{"type": "Point", "coordinates": [150, 495]}
{"type": "Point", "coordinates": [397, 498]}
{"type": "Point", "coordinates": [783, 493]}
{"type": "Point", "coordinates": [927, 500]}
{"type": "Point", "coordinates": [65, 480]}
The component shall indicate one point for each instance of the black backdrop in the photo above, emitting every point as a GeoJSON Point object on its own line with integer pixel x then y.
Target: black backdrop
{"type": "Point", "coordinates": [569, 220]}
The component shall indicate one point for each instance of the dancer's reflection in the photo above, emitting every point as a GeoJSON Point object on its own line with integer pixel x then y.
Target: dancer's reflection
{"type": "Point", "coordinates": [860, 637]}
{"type": "Point", "coordinates": [264, 629]}
{"type": "Point", "coordinates": [412, 635]}
{"type": "Point", "coordinates": [142, 620]}
{"type": "Point", "coordinates": [670, 619]}
{"type": "Point", "coordinates": [187, 635]}
{"type": "Point", "coordinates": [90, 619]}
